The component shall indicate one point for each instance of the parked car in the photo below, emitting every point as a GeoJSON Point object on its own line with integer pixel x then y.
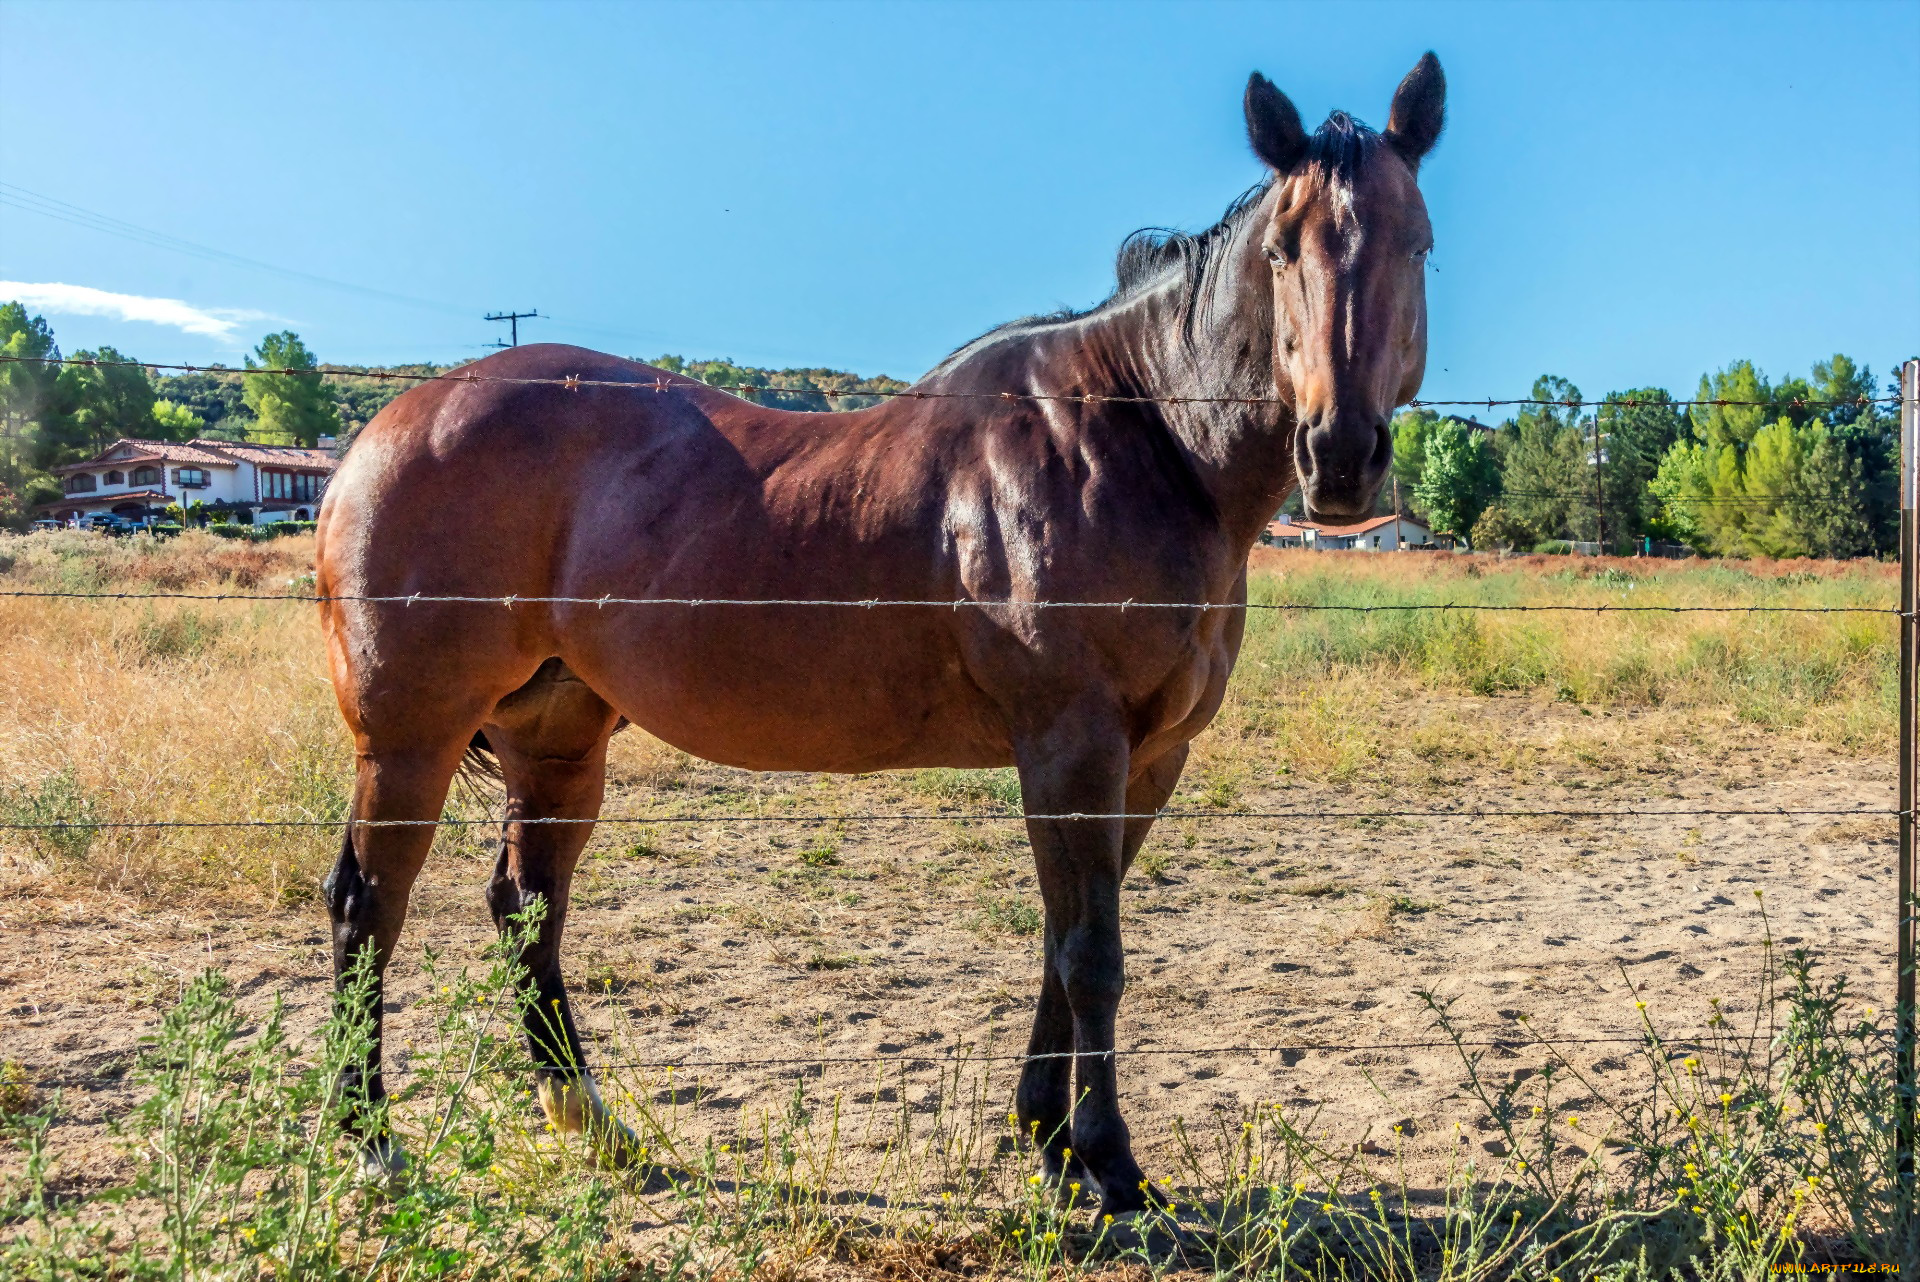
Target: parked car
{"type": "Point", "coordinates": [46, 524]}
{"type": "Point", "coordinates": [108, 523]}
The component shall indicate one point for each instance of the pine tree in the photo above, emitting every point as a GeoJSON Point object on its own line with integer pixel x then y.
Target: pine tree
{"type": "Point", "coordinates": [290, 409]}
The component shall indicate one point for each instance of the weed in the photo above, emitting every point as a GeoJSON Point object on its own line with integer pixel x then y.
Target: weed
{"type": "Point", "coordinates": [1153, 863]}
{"type": "Point", "coordinates": [998, 789]}
{"type": "Point", "coordinates": [57, 815]}
{"type": "Point", "coordinates": [17, 1095]}
{"type": "Point", "coordinates": [1319, 890]}
{"type": "Point", "coordinates": [1010, 915]}
{"type": "Point", "coordinates": [1716, 1167]}
{"type": "Point", "coordinates": [171, 638]}
{"type": "Point", "coordinates": [821, 854]}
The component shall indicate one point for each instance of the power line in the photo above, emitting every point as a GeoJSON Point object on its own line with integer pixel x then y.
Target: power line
{"type": "Point", "coordinates": [47, 207]}
{"type": "Point", "coordinates": [661, 383]}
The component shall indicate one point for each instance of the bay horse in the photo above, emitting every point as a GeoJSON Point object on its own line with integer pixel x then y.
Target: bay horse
{"type": "Point", "coordinates": [1148, 441]}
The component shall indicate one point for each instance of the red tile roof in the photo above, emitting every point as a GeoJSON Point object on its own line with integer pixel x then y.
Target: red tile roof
{"type": "Point", "coordinates": [204, 453]}
{"type": "Point", "coordinates": [1342, 531]}
{"type": "Point", "coordinates": [83, 500]}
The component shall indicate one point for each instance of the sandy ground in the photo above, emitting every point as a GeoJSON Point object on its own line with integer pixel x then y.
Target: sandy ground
{"type": "Point", "coordinates": [716, 942]}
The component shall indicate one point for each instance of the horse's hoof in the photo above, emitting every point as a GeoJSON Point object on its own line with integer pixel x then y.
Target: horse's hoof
{"type": "Point", "coordinates": [573, 1107]}
{"type": "Point", "coordinates": [382, 1161]}
{"type": "Point", "coordinates": [615, 1146]}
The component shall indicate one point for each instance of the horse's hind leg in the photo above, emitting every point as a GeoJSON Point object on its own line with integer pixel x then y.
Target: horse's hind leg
{"type": "Point", "coordinates": [366, 897]}
{"type": "Point", "coordinates": [551, 738]}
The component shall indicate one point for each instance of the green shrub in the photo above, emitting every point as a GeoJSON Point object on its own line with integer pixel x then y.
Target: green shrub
{"type": "Point", "coordinates": [997, 788]}
{"type": "Point", "coordinates": [58, 800]}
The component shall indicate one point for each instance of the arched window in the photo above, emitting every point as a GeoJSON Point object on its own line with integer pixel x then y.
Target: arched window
{"type": "Point", "coordinates": [190, 478]}
{"type": "Point", "coordinates": [146, 476]}
{"type": "Point", "coordinates": [81, 483]}
{"type": "Point", "coordinates": [116, 478]}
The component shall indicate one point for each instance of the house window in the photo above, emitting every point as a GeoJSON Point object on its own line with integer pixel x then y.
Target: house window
{"type": "Point", "coordinates": [116, 478]}
{"type": "Point", "coordinates": [80, 483]}
{"type": "Point", "coordinates": [190, 478]}
{"type": "Point", "coordinates": [288, 485]}
{"type": "Point", "coordinates": [146, 476]}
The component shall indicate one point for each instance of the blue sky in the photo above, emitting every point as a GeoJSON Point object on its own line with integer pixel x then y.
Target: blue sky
{"type": "Point", "coordinates": [1627, 194]}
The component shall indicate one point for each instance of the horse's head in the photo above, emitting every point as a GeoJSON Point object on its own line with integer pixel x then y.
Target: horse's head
{"type": "Point", "coordinates": [1346, 238]}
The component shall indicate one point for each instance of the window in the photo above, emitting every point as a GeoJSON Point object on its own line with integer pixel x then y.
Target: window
{"type": "Point", "coordinates": [288, 485]}
{"type": "Point", "coordinates": [80, 483]}
{"type": "Point", "coordinates": [116, 478]}
{"type": "Point", "coordinates": [146, 476]}
{"type": "Point", "coordinates": [190, 478]}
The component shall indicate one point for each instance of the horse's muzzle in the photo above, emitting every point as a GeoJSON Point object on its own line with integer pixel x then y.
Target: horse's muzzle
{"type": "Point", "coordinates": [1341, 463]}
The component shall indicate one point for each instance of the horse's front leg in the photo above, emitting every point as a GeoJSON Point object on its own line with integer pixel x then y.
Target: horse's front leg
{"type": "Point", "coordinates": [1080, 766]}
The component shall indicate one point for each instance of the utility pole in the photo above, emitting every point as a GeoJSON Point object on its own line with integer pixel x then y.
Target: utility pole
{"type": "Point", "coordinates": [1599, 491]}
{"type": "Point", "coordinates": [513, 320]}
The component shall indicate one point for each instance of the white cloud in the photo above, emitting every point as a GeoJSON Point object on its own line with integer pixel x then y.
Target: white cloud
{"type": "Point", "coordinates": [84, 300]}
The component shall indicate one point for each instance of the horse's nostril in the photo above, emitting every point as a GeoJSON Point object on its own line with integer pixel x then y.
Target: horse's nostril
{"type": "Point", "coordinates": [1382, 449]}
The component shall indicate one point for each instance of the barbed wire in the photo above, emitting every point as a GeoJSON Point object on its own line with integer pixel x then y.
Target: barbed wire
{"type": "Point", "coordinates": [921, 816]}
{"type": "Point", "coordinates": [878, 603]}
{"type": "Point", "coordinates": [961, 1058]}
{"type": "Point", "coordinates": [671, 382]}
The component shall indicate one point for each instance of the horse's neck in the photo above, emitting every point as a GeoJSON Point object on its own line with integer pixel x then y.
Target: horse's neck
{"type": "Point", "coordinates": [1214, 394]}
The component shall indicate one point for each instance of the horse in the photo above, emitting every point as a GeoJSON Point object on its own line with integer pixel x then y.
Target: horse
{"type": "Point", "coordinates": [1132, 452]}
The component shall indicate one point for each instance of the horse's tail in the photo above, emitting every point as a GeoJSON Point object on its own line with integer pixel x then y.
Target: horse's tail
{"type": "Point", "coordinates": [479, 767]}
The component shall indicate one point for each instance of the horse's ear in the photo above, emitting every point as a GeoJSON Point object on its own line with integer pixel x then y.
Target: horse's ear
{"type": "Point", "coordinates": [1273, 125]}
{"type": "Point", "coordinates": [1419, 111]}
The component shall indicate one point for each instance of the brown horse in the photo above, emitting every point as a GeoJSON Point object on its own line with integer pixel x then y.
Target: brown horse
{"type": "Point", "coordinates": [1262, 354]}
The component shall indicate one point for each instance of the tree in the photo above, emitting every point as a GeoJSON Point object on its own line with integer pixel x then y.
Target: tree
{"type": "Point", "coordinates": [1497, 528]}
{"type": "Point", "coordinates": [213, 397]}
{"type": "Point", "coordinates": [1637, 428]}
{"type": "Point", "coordinates": [1547, 463]}
{"type": "Point", "coordinates": [102, 403]}
{"type": "Point", "coordinates": [175, 422]}
{"type": "Point", "coordinates": [1460, 478]}
{"type": "Point", "coordinates": [1410, 430]}
{"type": "Point", "coordinates": [1870, 436]}
{"type": "Point", "coordinates": [1768, 477]}
{"type": "Point", "coordinates": [292, 409]}
{"type": "Point", "coordinates": [27, 398]}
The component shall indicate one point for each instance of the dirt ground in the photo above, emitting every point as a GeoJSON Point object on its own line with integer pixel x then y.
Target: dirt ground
{"type": "Point", "coordinates": [709, 942]}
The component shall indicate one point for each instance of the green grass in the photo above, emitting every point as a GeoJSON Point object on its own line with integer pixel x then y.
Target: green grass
{"type": "Point", "coordinates": [1774, 670]}
{"type": "Point", "coordinates": [989, 789]}
{"type": "Point", "coordinates": [232, 1166]}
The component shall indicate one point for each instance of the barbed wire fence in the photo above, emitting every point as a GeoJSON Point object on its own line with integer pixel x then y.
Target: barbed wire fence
{"type": "Point", "coordinates": [1907, 612]}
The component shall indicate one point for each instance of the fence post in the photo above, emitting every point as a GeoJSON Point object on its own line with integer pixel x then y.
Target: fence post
{"type": "Point", "coordinates": [1903, 1006]}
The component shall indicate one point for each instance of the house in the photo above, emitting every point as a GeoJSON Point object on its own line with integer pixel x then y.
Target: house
{"type": "Point", "coordinates": [136, 479]}
{"type": "Point", "coordinates": [1380, 534]}
{"type": "Point", "coordinates": [1285, 532]}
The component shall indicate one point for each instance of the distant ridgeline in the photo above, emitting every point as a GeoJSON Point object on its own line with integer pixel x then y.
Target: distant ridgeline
{"type": "Point", "coordinates": [804, 389]}
{"type": "Point", "coordinates": [216, 397]}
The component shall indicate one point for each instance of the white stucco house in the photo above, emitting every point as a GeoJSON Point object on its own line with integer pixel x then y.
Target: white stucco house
{"type": "Point", "coordinates": [135, 479]}
{"type": "Point", "coordinates": [1380, 534]}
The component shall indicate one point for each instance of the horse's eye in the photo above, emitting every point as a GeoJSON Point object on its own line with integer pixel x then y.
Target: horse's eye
{"type": "Point", "coordinates": [1275, 257]}
{"type": "Point", "coordinates": [1420, 255]}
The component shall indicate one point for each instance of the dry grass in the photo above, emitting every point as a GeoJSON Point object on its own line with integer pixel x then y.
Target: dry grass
{"type": "Point", "coordinates": [219, 711]}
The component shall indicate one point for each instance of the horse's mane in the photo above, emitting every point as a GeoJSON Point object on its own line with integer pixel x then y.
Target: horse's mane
{"type": "Point", "coordinates": [1335, 155]}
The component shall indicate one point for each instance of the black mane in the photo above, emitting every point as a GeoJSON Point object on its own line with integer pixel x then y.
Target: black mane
{"type": "Point", "coordinates": [1336, 153]}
